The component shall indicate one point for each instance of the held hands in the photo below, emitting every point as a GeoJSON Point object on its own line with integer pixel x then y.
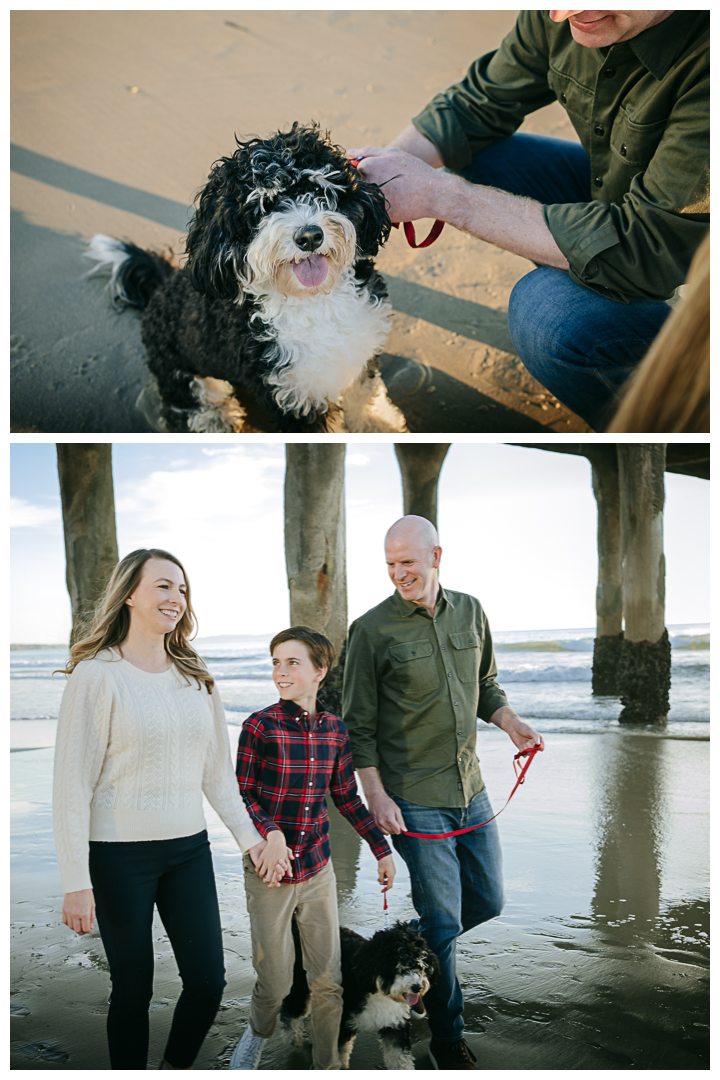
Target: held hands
{"type": "Point", "coordinates": [386, 871]}
{"type": "Point", "coordinates": [78, 910]}
{"type": "Point", "coordinates": [272, 858]}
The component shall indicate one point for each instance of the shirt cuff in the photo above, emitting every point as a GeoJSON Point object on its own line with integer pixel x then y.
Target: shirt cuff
{"type": "Point", "coordinates": [583, 231]}
{"type": "Point", "coordinates": [439, 124]}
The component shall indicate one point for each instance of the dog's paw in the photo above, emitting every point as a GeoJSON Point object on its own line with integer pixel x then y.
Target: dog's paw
{"type": "Point", "coordinates": [219, 409]}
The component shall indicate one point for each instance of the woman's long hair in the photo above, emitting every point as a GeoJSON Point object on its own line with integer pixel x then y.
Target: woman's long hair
{"type": "Point", "coordinates": [671, 388]}
{"type": "Point", "coordinates": [111, 621]}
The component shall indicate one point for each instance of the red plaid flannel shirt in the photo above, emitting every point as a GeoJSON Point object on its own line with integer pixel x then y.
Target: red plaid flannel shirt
{"type": "Point", "coordinates": [286, 762]}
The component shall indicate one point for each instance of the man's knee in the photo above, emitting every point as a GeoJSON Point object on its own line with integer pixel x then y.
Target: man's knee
{"type": "Point", "coordinates": [532, 316]}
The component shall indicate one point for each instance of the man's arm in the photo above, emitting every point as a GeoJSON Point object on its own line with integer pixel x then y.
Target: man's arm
{"type": "Point", "coordinates": [413, 142]}
{"type": "Point", "coordinates": [523, 736]}
{"type": "Point", "coordinates": [386, 813]}
{"type": "Point", "coordinates": [415, 189]}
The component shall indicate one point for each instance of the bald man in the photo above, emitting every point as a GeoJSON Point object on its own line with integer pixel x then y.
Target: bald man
{"type": "Point", "coordinates": [612, 221]}
{"type": "Point", "coordinates": [419, 670]}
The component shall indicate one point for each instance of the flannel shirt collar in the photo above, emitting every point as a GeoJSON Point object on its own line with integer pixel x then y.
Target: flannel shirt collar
{"type": "Point", "coordinates": [293, 710]}
{"type": "Point", "coordinates": [407, 607]}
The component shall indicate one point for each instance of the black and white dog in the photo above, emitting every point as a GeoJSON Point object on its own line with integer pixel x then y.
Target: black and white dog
{"type": "Point", "coordinates": [277, 318]}
{"type": "Point", "coordinates": [383, 977]}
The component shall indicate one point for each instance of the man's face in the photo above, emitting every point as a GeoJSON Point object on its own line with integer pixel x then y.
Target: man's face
{"type": "Point", "coordinates": [412, 567]}
{"type": "Point", "coordinates": [596, 29]}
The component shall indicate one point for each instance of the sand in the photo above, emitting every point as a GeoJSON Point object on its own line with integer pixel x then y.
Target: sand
{"type": "Point", "coordinates": [598, 961]}
{"type": "Point", "coordinates": [117, 117]}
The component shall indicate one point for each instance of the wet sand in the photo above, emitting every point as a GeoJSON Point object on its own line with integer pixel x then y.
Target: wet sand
{"type": "Point", "coordinates": [117, 117]}
{"type": "Point", "coordinates": [598, 961]}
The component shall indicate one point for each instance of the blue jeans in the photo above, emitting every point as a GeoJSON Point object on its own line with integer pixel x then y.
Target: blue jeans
{"type": "Point", "coordinates": [456, 884]}
{"type": "Point", "coordinates": [129, 879]}
{"type": "Point", "coordinates": [578, 344]}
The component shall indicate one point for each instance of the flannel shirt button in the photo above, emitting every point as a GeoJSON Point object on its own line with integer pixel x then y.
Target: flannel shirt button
{"type": "Point", "coordinates": [449, 674]}
{"type": "Point", "coordinates": [599, 130]}
{"type": "Point", "coordinates": [454, 702]}
{"type": "Point", "coordinates": [609, 72]}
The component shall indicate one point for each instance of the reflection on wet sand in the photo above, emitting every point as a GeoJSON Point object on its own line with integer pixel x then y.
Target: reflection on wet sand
{"type": "Point", "coordinates": [598, 961]}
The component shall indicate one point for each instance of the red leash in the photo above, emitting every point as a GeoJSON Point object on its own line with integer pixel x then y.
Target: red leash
{"type": "Point", "coordinates": [408, 226]}
{"type": "Point", "coordinates": [530, 754]}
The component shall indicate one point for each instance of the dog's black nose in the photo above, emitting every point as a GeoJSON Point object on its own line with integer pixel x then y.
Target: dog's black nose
{"type": "Point", "coordinates": [309, 237]}
{"type": "Point", "coordinates": [416, 988]}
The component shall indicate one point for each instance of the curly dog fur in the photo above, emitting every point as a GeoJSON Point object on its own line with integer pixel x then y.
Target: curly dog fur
{"type": "Point", "coordinates": [382, 977]}
{"type": "Point", "coordinates": [277, 318]}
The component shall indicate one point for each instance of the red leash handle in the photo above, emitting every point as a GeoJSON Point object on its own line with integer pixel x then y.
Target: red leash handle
{"type": "Point", "coordinates": [408, 226]}
{"type": "Point", "coordinates": [410, 233]}
{"type": "Point", "coordinates": [530, 754]}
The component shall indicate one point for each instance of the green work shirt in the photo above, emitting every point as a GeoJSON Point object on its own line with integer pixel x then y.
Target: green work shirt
{"type": "Point", "coordinates": [414, 686]}
{"type": "Point", "coordinates": [642, 112]}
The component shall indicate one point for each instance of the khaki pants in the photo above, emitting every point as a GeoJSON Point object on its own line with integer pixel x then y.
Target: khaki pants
{"type": "Point", "coordinates": [271, 910]}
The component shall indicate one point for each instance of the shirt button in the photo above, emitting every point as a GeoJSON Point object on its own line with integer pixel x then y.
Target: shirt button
{"type": "Point", "coordinates": [609, 72]}
{"type": "Point", "coordinates": [599, 129]}
{"type": "Point", "coordinates": [563, 98]}
{"type": "Point", "coordinates": [449, 674]}
{"type": "Point", "coordinates": [598, 181]}
{"type": "Point", "coordinates": [454, 702]}
{"type": "Point", "coordinates": [442, 646]}
{"type": "Point", "coordinates": [623, 149]}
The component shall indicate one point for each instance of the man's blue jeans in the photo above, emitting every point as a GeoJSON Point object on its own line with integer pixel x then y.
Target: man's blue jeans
{"type": "Point", "coordinates": [579, 345]}
{"type": "Point", "coordinates": [456, 884]}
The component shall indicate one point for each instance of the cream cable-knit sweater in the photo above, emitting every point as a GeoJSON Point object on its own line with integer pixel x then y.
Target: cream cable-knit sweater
{"type": "Point", "coordinates": [134, 753]}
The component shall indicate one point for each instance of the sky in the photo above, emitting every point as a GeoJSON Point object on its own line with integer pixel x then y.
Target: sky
{"type": "Point", "coordinates": [517, 528]}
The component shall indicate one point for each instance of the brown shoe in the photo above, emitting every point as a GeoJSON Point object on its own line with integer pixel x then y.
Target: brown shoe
{"type": "Point", "coordinates": [454, 1055]}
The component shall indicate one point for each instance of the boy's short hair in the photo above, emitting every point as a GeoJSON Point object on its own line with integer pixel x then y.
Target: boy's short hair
{"type": "Point", "coordinates": [321, 649]}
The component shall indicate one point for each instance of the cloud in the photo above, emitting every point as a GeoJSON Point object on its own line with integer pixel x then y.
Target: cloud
{"type": "Point", "coordinates": [26, 515]}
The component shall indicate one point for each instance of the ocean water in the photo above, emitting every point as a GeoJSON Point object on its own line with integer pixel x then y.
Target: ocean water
{"type": "Point", "coordinates": [546, 674]}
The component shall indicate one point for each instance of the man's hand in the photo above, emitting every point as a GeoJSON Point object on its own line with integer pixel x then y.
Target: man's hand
{"type": "Point", "coordinates": [78, 911]}
{"type": "Point", "coordinates": [386, 813]}
{"type": "Point", "coordinates": [523, 736]}
{"type": "Point", "coordinates": [272, 858]}
{"type": "Point", "coordinates": [412, 188]}
{"type": "Point", "coordinates": [386, 871]}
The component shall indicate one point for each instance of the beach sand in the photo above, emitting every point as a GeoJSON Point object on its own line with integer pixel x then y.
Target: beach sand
{"type": "Point", "coordinates": [117, 118]}
{"type": "Point", "coordinates": [598, 961]}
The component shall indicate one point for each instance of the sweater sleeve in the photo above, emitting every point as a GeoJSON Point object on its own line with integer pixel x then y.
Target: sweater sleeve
{"type": "Point", "coordinates": [81, 743]}
{"type": "Point", "coordinates": [220, 785]}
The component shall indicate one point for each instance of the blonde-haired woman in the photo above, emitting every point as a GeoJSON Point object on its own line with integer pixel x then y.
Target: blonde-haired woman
{"type": "Point", "coordinates": [141, 735]}
{"type": "Point", "coordinates": [670, 391]}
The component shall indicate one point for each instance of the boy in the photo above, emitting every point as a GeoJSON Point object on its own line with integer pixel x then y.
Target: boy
{"type": "Point", "coordinates": [289, 756]}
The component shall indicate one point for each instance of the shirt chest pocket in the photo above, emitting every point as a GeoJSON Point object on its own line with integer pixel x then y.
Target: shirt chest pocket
{"type": "Point", "coordinates": [633, 143]}
{"type": "Point", "coordinates": [466, 653]}
{"type": "Point", "coordinates": [415, 668]}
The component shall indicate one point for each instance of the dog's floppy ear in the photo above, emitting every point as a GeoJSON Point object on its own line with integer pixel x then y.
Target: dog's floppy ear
{"type": "Point", "coordinates": [214, 244]}
{"type": "Point", "coordinates": [370, 217]}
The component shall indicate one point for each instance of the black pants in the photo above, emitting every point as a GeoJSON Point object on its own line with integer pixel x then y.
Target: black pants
{"type": "Point", "coordinates": [129, 879]}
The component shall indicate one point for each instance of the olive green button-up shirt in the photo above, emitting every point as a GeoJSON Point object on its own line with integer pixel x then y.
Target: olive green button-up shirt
{"type": "Point", "coordinates": [414, 686]}
{"type": "Point", "coordinates": [642, 112]}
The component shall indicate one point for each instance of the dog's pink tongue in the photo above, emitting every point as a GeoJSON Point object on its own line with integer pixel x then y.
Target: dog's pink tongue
{"type": "Point", "coordinates": [311, 271]}
{"type": "Point", "coordinates": [412, 999]}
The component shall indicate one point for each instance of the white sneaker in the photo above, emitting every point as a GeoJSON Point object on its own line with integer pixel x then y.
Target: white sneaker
{"type": "Point", "coordinates": [248, 1051]}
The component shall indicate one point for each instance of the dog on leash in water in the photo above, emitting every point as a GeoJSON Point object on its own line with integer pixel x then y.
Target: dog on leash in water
{"type": "Point", "coordinates": [383, 978]}
{"type": "Point", "coordinates": [277, 317]}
